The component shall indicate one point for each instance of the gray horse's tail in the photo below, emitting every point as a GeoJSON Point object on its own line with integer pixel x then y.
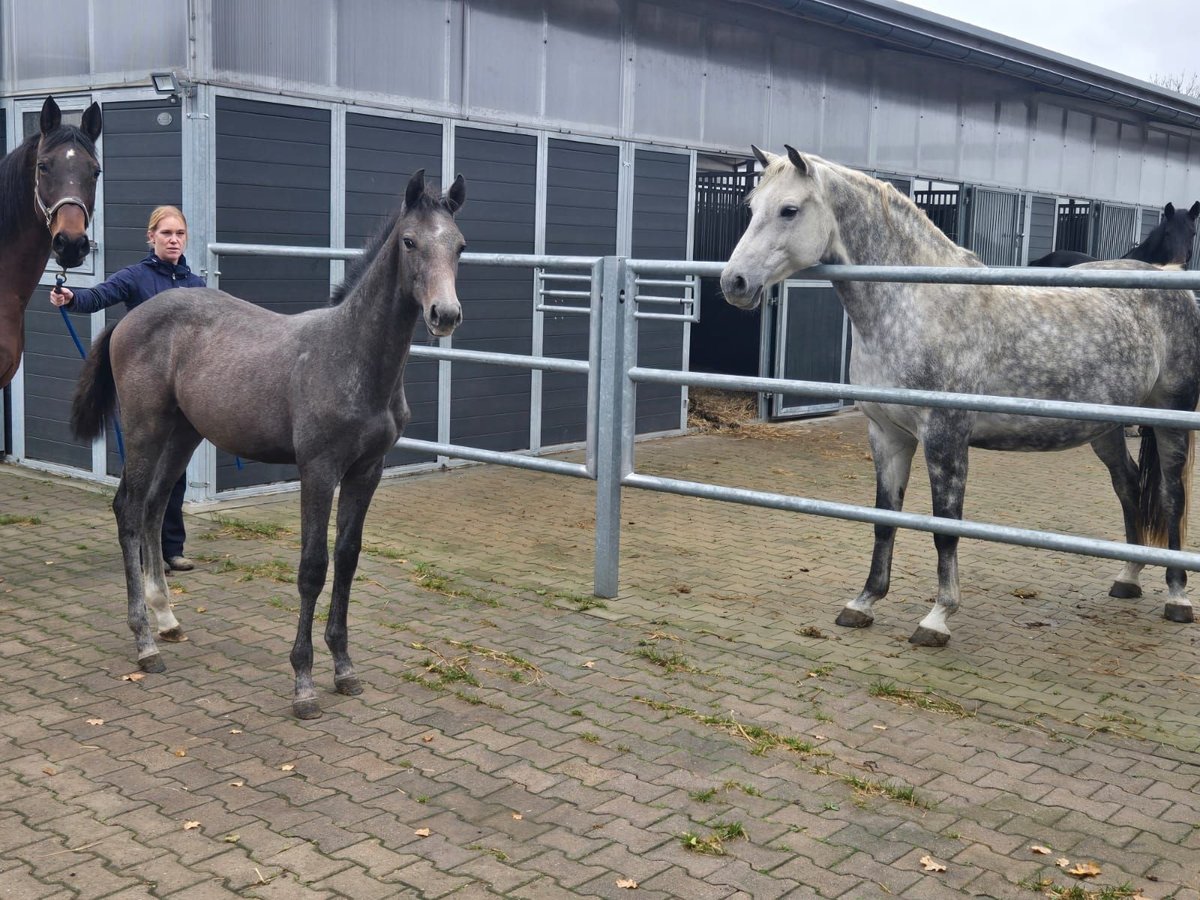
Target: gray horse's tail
{"type": "Point", "coordinates": [1152, 519]}
{"type": "Point", "coordinates": [96, 393]}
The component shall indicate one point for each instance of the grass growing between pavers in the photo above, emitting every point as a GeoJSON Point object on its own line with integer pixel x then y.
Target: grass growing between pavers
{"type": "Point", "coordinates": [9, 519]}
{"type": "Point", "coordinates": [228, 526]}
{"type": "Point", "coordinates": [927, 700]}
{"type": "Point", "coordinates": [1048, 887]}
{"type": "Point", "coordinates": [714, 842]}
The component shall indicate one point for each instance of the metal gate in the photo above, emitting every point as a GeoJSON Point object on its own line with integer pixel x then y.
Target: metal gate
{"type": "Point", "coordinates": [1074, 226]}
{"type": "Point", "coordinates": [809, 335]}
{"type": "Point", "coordinates": [994, 226]}
{"type": "Point", "coordinates": [1114, 230]}
{"type": "Point", "coordinates": [721, 214]}
{"type": "Point", "coordinates": [942, 207]}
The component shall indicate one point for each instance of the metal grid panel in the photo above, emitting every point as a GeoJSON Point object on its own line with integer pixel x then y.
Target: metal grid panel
{"type": "Point", "coordinates": [995, 233]}
{"type": "Point", "coordinates": [1113, 233]}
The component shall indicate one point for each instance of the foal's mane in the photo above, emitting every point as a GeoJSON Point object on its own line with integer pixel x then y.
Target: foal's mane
{"type": "Point", "coordinates": [16, 174]}
{"type": "Point", "coordinates": [429, 201]}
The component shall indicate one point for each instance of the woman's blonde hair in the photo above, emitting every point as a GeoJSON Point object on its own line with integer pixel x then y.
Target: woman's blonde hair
{"type": "Point", "coordinates": [162, 212]}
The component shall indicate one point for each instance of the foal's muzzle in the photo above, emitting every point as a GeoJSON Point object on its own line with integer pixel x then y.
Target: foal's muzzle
{"type": "Point", "coordinates": [443, 316]}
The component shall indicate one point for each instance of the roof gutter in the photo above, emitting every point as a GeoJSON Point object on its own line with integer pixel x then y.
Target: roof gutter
{"type": "Point", "coordinates": [916, 29]}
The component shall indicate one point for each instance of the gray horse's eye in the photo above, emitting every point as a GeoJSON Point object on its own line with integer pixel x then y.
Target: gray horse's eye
{"type": "Point", "coordinates": [789, 212]}
{"type": "Point", "coordinates": [410, 244]}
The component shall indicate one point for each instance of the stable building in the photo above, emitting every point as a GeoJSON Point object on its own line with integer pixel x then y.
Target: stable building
{"type": "Point", "coordinates": [583, 127]}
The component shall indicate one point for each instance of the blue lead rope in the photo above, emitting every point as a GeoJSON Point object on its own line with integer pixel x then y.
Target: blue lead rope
{"type": "Point", "coordinates": [59, 281]}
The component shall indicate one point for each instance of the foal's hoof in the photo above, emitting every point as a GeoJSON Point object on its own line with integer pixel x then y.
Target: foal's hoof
{"type": "Point", "coordinates": [927, 637]}
{"type": "Point", "coordinates": [1125, 590]}
{"type": "Point", "coordinates": [1178, 612]}
{"type": "Point", "coordinates": [350, 685]}
{"type": "Point", "coordinates": [854, 618]}
{"type": "Point", "coordinates": [173, 635]}
{"type": "Point", "coordinates": [152, 664]}
{"type": "Point", "coordinates": [306, 709]}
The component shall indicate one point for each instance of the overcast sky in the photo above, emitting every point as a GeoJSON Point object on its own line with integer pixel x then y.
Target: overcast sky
{"type": "Point", "coordinates": [1138, 38]}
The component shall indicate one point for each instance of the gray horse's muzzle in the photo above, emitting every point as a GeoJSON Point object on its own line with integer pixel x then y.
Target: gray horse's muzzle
{"type": "Point", "coordinates": [739, 292]}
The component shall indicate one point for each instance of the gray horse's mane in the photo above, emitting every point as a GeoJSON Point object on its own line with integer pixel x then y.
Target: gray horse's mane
{"type": "Point", "coordinates": [895, 209]}
{"type": "Point", "coordinates": [429, 201]}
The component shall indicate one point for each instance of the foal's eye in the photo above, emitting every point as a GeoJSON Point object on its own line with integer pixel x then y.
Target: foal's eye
{"type": "Point", "coordinates": [96, 172]}
{"type": "Point", "coordinates": [410, 244]}
{"type": "Point", "coordinates": [42, 167]}
{"type": "Point", "coordinates": [461, 249]}
{"type": "Point", "coordinates": [788, 212]}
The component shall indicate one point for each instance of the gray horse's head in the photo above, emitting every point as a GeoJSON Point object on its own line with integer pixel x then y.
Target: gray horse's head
{"type": "Point", "coordinates": [791, 227]}
{"type": "Point", "coordinates": [430, 245]}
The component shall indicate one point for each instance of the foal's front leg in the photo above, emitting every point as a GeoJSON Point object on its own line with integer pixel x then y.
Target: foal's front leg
{"type": "Point", "coordinates": [946, 458]}
{"type": "Point", "coordinates": [316, 500]}
{"type": "Point", "coordinates": [357, 490]}
{"type": "Point", "coordinates": [892, 451]}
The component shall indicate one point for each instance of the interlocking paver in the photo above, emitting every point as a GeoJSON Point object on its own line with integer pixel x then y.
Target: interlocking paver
{"type": "Point", "coordinates": [563, 753]}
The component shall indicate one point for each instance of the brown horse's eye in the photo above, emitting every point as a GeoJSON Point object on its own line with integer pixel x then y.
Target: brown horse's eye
{"type": "Point", "coordinates": [96, 173]}
{"type": "Point", "coordinates": [42, 167]}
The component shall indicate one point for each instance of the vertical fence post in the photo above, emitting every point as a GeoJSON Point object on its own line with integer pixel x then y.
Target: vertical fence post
{"type": "Point", "coordinates": [609, 425]}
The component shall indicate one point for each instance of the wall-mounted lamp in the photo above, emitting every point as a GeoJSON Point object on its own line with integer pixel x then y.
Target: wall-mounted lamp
{"type": "Point", "coordinates": [169, 83]}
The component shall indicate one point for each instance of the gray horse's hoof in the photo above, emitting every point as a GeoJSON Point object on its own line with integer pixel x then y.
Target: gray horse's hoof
{"type": "Point", "coordinates": [853, 618]}
{"type": "Point", "coordinates": [306, 709]}
{"type": "Point", "coordinates": [927, 637]}
{"type": "Point", "coordinates": [1178, 612]}
{"type": "Point", "coordinates": [350, 685]}
{"type": "Point", "coordinates": [152, 664]}
{"type": "Point", "coordinates": [173, 635]}
{"type": "Point", "coordinates": [1125, 590]}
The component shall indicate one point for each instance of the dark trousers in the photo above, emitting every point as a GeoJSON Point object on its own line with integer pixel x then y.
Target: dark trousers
{"type": "Point", "coordinates": [173, 534]}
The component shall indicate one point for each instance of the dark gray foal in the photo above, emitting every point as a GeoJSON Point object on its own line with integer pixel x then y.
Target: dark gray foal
{"type": "Point", "coordinates": [323, 389]}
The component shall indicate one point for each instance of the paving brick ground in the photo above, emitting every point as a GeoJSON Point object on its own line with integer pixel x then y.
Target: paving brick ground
{"type": "Point", "coordinates": [551, 747]}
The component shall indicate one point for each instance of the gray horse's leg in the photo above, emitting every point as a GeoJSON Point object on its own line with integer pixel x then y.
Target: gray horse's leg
{"type": "Point", "coordinates": [892, 450]}
{"type": "Point", "coordinates": [1123, 471]}
{"type": "Point", "coordinates": [946, 458]}
{"type": "Point", "coordinates": [316, 500]}
{"type": "Point", "coordinates": [353, 501]}
{"type": "Point", "coordinates": [1174, 454]}
{"type": "Point", "coordinates": [129, 507]}
{"type": "Point", "coordinates": [171, 462]}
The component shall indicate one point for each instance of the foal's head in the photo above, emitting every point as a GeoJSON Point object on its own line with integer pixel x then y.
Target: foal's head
{"type": "Point", "coordinates": [65, 181]}
{"type": "Point", "coordinates": [430, 245]}
{"type": "Point", "coordinates": [791, 227]}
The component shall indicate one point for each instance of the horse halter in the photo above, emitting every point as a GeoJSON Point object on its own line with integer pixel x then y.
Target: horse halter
{"type": "Point", "coordinates": [63, 201]}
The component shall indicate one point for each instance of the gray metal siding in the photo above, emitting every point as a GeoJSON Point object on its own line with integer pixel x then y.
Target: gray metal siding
{"type": "Point", "coordinates": [272, 163]}
{"type": "Point", "coordinates": [489, 404]}
{"type": "Point", "coordinates": [1041, 226]}
{"type": "Point", "coordinates": [581, 220]}
{"type": "Point", "coordinates": [660, 222]}
{"type": "Point", "coordinates": [1149, 221]}
{"type": "Point", "coordinates": [142, 170]}
{"type": "Point", "coordinates": [381, 156]}
{"type": "Point", "coordinates": [5, 393]}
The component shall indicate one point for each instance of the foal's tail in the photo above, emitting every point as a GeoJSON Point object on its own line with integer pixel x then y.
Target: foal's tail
{"type": "Point", "coordinates": [96, 393]}
{"type": "Point", "coordinates": [1152, 519]}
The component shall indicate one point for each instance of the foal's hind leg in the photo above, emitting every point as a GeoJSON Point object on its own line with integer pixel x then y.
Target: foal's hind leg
{"type": "Point", "coordinates": [1111, 449]}
{"type": "Point", "coordinates": [357, 490]}
{"type": "Point", "coordinates": [946, 458]}
{"type": "Point", "coordinates": [892, 451]}
{"type": "Point", "coordinates": [129, 506]}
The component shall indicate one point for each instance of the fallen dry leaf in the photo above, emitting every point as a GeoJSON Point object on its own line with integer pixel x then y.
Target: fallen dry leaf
{"type": "Point", "coordinates": [235, 731]}
{"type": "Point", "coordinates": [879, 727]}
{"type": "Point", "coordinates": [1085, 870]}
{"type": "Point", "coordinates": [932, 865]}
{"type": "Point", "coordinates": [49, 771]}
{"type": "Point", "coordinates": [201, 609]}
{"type": "Point", "coordinates": [286, 767]}
{"type": "Point", "coordinates": [190, 825]}
{"type": "Point", "coordinates": [133, 676]}
{"type": "Point", "coordinates": [427, 738]}
{"type": "Point", "coordinates": [1039, 849]}
{"type": "Point", "coordinates": [180, 751]}
{"type": "Point", "coordinates": [518, 816]}
{"type": "Point", "coordinates": [236, 783]}
{"type": "Point", "coordinates": [95, 721]}
{"type": "Point", "coordinates": [422, 832]}
{"type": "Point", "coordinates": [1062, 862]}
{"type": "Point", "coordinates": [627, 883]}
{"type": "Point", "coordinates": [590, 664]}
{"type": "Point", "coordinates": [230, 839]}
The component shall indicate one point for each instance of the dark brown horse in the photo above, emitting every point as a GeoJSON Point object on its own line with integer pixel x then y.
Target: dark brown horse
{"type": "Point", "coordinates": [47, 191]}
{"type": "Point", "coordinates": [1169, 244]}
{"type": "Point", "coordinates": [322, 389]}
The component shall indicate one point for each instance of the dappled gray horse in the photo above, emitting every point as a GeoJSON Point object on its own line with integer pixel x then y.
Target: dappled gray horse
{"type": "Point", "coordinates": [1126, 347]}
{"type": "Point", "coordinates": [323, 389]}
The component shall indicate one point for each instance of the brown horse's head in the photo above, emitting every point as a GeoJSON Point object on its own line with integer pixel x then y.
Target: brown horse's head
{"type": "Point", "coordinates": [65, 181]}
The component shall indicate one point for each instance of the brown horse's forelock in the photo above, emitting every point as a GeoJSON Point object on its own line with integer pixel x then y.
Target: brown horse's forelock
{"type": "Point", "coordinates": [429, 201]}
{"type": "Point", "coordinates": [16, 174]}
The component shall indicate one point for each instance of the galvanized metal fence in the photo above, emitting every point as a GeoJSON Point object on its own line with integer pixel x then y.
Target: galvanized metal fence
{"type": "Point", "coordinates": [615, 295]}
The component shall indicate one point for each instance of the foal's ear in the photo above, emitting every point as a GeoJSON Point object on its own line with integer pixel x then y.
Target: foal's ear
{"type": "Point", "coordinates": [1195, 210]}
{"type": "Point", "coordinates": [92, 122]}
{"type": "Point", "coordinates": [1169, 210]}
{"type": "Point", "coordinates": [797, 160]}
{"type": "Point", "coordinates": [457, 195]}
{"type": "Point", "coordinates": [762, 156]}
{"type": "Point", "coordinates": [416, 187]}
{"type": "Point", "coordinates": [51, 116]}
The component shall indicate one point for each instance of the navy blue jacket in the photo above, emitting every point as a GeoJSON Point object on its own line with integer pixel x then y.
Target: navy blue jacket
{"type": "Point", "coordinates": [135, 284]}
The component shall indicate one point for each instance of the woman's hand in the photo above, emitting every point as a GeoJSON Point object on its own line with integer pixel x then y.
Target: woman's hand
{"type": "Point", "coordinates": [61, 296]}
